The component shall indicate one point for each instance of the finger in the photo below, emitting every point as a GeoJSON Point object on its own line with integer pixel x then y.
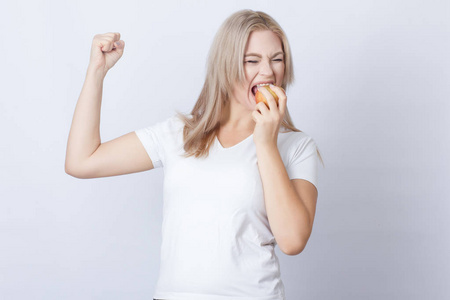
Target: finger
{"type": "Point", "coordinates": [118, 44]}
{"type": "Point", "coordinates": [269, 98]}
{"type": "Point", "coordinates": [262, 108]}
{"type": "Point", "coordinates": [114, 35]}
{"type": "Point", "coordinates": [256, 116]}
{"type": "Point", "coordinates": [106, 44]}
{"type": "Point", "coordinates": [278, 90]}
{"type": "Point", "coordinates": [282, 105]}
{"type": "Point", "coordinates": [109, 45]}
{"type": "Point", "coordinates": [109, 37]}
{"type": "Point", "coordinates": [282, 97]}
{"type": "Point", "coordinates": [116, 39]}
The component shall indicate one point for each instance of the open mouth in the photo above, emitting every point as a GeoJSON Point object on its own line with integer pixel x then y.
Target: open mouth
{"type": "Point", "coordinates": [255, 87]}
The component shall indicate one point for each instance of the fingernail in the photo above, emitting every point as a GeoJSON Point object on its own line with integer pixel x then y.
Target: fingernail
{"type": "Point", "coordinates": [117, 43]}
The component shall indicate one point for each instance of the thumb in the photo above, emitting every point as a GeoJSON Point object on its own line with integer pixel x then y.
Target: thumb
{"type": "Point", "coordinates": [119, 46]}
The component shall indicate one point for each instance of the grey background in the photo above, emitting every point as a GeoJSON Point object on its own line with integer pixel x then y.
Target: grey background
{"type": "Point", "coordinates": [372, 89]}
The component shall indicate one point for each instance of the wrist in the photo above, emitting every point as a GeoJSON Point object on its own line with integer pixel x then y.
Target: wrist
{"type": "Point", "coordinates": [266, 148]}
{"type": "Point", "coordinates": [96, 71]}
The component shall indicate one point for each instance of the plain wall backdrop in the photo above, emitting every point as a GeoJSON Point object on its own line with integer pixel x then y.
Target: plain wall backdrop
{"type": "Point", "coordinates": [372, 89]}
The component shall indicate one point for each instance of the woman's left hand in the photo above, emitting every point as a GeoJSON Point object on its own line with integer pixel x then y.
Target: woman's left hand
{"type": "Point", "coordinates": [268, 120]}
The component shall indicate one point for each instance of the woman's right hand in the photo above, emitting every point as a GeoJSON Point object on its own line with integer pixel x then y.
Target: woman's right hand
{"type": "Point", "coordinates": [105, 51]}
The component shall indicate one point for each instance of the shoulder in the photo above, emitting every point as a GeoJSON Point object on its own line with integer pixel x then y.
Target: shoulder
{"type": "Point", "coordinates": [162, 129]}
{"type": "Point", "coordinates": [297, 140]}
{"type": "Point", "coordinates": [301, 156]}
{"type": "Point", "coordinates": [296, 146]}
{"type": "Point", "coordinates": [170, 124]}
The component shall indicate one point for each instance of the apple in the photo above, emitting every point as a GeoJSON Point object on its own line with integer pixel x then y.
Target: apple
{"type": "Point", "coordinates": [259, 97]}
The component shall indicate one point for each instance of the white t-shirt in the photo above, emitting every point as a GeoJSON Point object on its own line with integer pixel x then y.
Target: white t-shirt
{"type": "Point", "coordinates": [216, 239]}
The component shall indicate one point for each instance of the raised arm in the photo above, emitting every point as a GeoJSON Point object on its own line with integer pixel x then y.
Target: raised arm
{"type": "Point", "coordinates": [86, 155]}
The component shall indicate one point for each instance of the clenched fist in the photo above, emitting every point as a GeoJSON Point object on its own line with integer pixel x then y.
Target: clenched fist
{"type": "Point", "coordinates": [106, 50]}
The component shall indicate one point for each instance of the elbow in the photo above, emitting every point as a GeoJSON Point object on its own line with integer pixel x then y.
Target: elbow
{"type": "Point", "coordinates": [293, 251]}
{"type": "Point", "coordinates": [293, 248]}
{"type": "Point", "coordinates": [67, 169]}
{"type": "Point", "coordinates": [73, 171]}
{"type": "Point", "coordinates": [295, 245]}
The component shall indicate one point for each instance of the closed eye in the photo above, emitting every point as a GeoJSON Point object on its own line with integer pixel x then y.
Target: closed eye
{"type": "Point", "coordinates": [255, 61]}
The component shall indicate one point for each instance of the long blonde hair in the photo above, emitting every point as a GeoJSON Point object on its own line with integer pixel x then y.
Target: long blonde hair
{"type": "Point", "coordinates": [225, 67]}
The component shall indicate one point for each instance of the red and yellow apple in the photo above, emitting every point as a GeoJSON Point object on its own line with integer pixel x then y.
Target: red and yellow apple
{"type": "Point", "coordinates": [259, 97]}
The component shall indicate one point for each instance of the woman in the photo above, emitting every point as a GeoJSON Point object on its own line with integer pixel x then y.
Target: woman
{"type": "Point", "coordinates": [234, 184]}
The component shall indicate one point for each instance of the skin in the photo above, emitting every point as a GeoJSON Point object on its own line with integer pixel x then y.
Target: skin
{"type": "Point", "coordinates": [238, 114]}
{"type": "Point", "coordinates": [290, 204]}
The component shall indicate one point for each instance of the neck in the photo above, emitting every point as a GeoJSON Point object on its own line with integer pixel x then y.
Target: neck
{"type": "Point", "coordinates": [236, 117]}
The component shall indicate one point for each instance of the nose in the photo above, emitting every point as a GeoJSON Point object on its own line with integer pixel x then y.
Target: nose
{"type": "Point", "coordinates": [266, 68]}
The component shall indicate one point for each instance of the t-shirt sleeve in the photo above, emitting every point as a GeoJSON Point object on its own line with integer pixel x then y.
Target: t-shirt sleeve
{"type": "Point", "coordinates": [153, 138]}
{"type": "Point", "coordinates": [303, 161]}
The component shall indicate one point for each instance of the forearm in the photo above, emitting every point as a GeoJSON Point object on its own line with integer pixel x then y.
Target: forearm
{"type": "Point", "coordinates": [288, 216]}
{"type": "Point", "coordinates": [84, 135]}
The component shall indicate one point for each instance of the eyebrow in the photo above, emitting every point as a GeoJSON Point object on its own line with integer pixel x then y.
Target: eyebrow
{"type": "Point", "coordinates": [256, 54]}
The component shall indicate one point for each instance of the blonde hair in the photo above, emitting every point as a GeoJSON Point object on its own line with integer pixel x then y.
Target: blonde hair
{"type": "Point", "coordinates": [225, 67]}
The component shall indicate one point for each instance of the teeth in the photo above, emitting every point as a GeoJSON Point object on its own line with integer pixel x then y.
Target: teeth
{"type": "Point", "coordinates": [255, 87]}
